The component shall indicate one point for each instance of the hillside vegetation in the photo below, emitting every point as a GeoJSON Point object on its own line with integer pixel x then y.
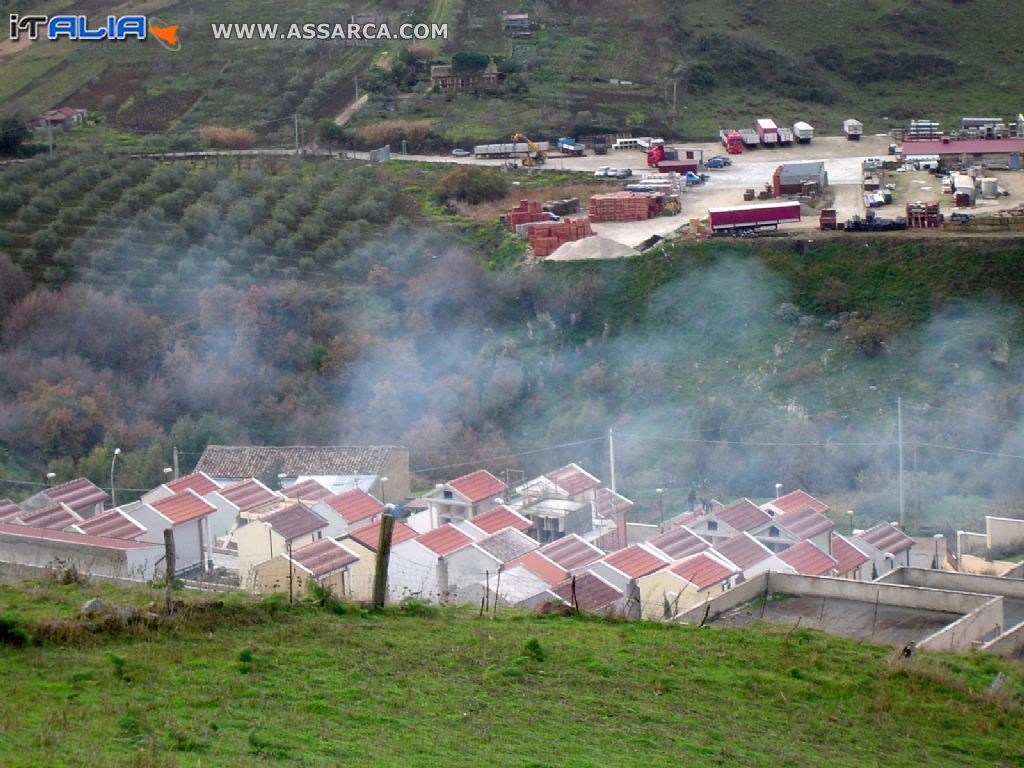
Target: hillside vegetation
{"type": "Point", "coordinates": [883, 61]}
{"type": "Point", "coordinates": [240, 682]}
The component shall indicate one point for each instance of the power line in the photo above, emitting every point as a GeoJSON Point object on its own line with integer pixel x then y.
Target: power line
{"type": "Point", "coordinates": [763, 444]}
{"type": "Point", "coordinates": [972, 450]}
{"type": "Point", "coordinates": [511, 455]}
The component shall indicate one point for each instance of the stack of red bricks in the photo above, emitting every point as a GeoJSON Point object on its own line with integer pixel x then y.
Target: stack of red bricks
{"type": "Point", "coordinates": [545, 238]}
{"type": "Point", "coordinates": [624, 206]}
{"type": "Point", "coordinates": [527, 211]}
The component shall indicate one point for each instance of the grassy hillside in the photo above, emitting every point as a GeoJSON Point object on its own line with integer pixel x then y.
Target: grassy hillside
{"type": "Point", "coordinates": [241, 682]}
{"type": "Point", "coordinates": [729, 62]}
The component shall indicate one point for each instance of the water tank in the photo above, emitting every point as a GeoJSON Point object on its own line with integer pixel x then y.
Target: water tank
{"type": "Point", "coordinates": [989, 187]}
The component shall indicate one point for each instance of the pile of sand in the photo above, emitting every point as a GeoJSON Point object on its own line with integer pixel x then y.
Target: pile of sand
{"type": "Point", "coordinates": [595, 247]}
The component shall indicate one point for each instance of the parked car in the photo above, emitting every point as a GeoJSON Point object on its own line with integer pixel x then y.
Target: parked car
{"type": "Point", "coordinates": [461, 152]}
{"type": "Point", "coordinates": [623, 173]}
{"type": "Point", "coordinates": [604, 170]}
{"type": "Point", "coordinates": [717, 162]}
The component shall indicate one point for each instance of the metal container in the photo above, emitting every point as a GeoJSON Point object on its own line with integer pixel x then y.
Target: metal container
{"type": "Point", "coordinates": [989, 187]}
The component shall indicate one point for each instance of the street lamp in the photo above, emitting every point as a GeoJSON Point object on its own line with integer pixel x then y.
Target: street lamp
{"type": "Point", "coordinates": [383, 480]}
{"type": "Point", "coordinates": [113, 461]}
{"type": "Point", "coordinates": [280, 479]}
{"type": "Point", "coordinates": [168, 470]}
{"type": "Point", "coordinates": [850, 513]}
{"type": "Point", "coordinates": [778, 490]}
{"type": "Point", "coordinates": [935, 560]}
{"type": "Point", "coordinates": [889, 557]}
{"type": "Point", "coordinates": [49, 478]}
{"type": "Point", "coordinates": [661, 506]}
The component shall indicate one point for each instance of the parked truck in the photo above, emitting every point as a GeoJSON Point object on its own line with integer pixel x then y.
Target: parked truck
{"type": "Point", "coordinates": [785, 136]}
{"type": "Point", "coordinates": [569, 146]}
{"type": "Point", "coordinates": [660, 152]}
{"type": "Point", "coordinates": [767, 131]}
{"type": "Point", "coordinates": [600, 146]}
{"type": "Point", "coordinates": [750, 218]}
{"type": "Point", "coordinates": [853, 129]}
{"type": "Point", "coordinates": [750, 138]}
{"type": "Point", "coordinates": [804, 132]}
{"type": "Point", "coordinates": [678, 166]}
{"type": "Point", "coordinates": [732, 141]}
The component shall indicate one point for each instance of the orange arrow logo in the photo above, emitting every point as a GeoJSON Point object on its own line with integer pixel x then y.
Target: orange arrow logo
{"type": "Point", "coordinates": [168, 34]}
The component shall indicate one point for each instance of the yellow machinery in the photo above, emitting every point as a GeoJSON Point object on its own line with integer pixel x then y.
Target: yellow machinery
{"type": "Point", "coordinates": [539, 154]}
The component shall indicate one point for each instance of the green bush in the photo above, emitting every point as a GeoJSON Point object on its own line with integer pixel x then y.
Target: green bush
{"type": "Point", "coordinates": [12, 633]}
{"type": "Point", "coordinates": [472, 185]}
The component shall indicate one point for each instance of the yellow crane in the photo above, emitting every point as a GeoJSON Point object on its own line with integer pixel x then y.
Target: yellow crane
{"type": "Point", "coordinates": [539, 154]}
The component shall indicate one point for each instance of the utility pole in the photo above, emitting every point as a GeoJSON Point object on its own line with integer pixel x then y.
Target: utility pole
{"type": "Point", "coordinates": [356, 80]}
{"type": "Point", "coordinates": [899, 438]}
{"type": "Point", "coordinates": [611, 456]}
{"type": "Point", "coordinates": [175, 455]}
{"type": "Point", "coordinates": [296, 133]}
{"type": "Point", "coordinates": [675, 83]}
{"type": "Point", "coordinates": [380, 576]}
{"type": "Point", "coordinates": [49, 133]}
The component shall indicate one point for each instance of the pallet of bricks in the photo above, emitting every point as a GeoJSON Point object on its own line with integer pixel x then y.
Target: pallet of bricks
{"type": "Point", "coordinates": [546, 238]}
{"type": "Point", "coordinates": [526, 212]}
{"type": "Point", "coordinates": [923, 216]}
{"type": "Point", "coordinates": [625, 206]}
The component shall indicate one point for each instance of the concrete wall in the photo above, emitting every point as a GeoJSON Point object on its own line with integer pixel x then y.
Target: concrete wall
{"type": "Point", "coordinates": [957, 582]}
{"type": "Point", "coordinates": [744, 593]}
{"type": "Point", "coordinates": [1010, 643]}
{"type": "Point", "coordinates": [967, 541]}
{"type": "Point", "coordinates": [1001, 531]}
{"type": "Point", "coordinates": [980, 625]}
{"type": "Point", "coordinates": [467, 567]}
{"type": "Point", "coordinates": [415, 571]}
{"type": "Point", "coordinates": [978, 565]}
{"type": "Point", "coordinates": [681, 595]}
{"type": "Point", "coordinates": [886, 594]}
{"type": "Point", "coordinates": [360, 575]}
{"type": "Point", "coordinates": [188, 551]}
{"type": "Point", "coordinates": [95, 561]}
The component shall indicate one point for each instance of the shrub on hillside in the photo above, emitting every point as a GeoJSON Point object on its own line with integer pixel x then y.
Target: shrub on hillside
{"type": "Point", "coordinates": [472, 185]}
{"type": "Point", "coordinates": [393, 131]}
{"type": "Point", "coordinates": [227, 138]}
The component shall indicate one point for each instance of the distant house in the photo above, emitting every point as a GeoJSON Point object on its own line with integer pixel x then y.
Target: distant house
{"type": "Point", "coordinates": [292, 527]}
{"type": "Point", "coordinates": [486, 556]}
{"type": "Point", "coordinates": [464, 497]}
{"type": "Point", "coordinates": [363, 542]}
{"type": "Point", "coordinates": [886, 545]}
{"type": "Point", "coordinates": [493, 520]}
{"type": "Point", "coordinates": [794, 500]}
{"type": "Point", "coordinates": [568, 482]}
{"type": "Point", "coordinates": [806, 523]}
{"type": "Point", "coordinates": [64, 118]}
{"type": "Point", "coordinates": [419, 566]}
{"type": "Point", "coordinates": [516, 24]}
{"type": "Point", "coordinates": [114, 523]}
{"type": "Point", "coordinates": [751, 556]}
{"type": "Point", "coordinates": [590, 593]}
{"type": "Point", "coordinates": [552, 519]}
{"type": "Point", "coordinates": [731, 520]}
{"type": "Point", "coordinates": [670, 591]}
{"type": "Point", "coordinates": [678, 542]}
{"type": "Point", "coordinates": [622, 568]}
{"type": "Point", "coordinates": [571, 553]}
{"type": "Point", "coordinates": [188, 516]}
{"type": "Point", "coordinates": [850, 559]}
{"type": "Point", "coordinates": [798, 178]}
{"type": "Point", "coordinates": [240, 503]}
{"type": "Point", "coordinates": [491, 80]}
{"type": "Point", "coordinates": [55, 517]}
{"type": "Point", "coordinates": [526, 581]}
{"type": "Point", "coordinates": [222, 520]}
{"type": "Point", "coordinates": [348, 510]}
{"type": "Point", "coordinates": [808, 559]}
{"type": "Point", "coordinates": [338, 466]}
{"type": "Point", "coordinates": [309, 491]}
{"type": "Point", "coordinates": [325, 562]}
{"type": "Point", "coordinates": [81, 495]}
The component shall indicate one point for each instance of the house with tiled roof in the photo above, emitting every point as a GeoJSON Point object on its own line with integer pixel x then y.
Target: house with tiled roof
{"type": "Point", "coordinates": [201, 483]}
{"type": "Point", "coordinates": [493, 520]}
{"type": "Point", "coordinates": [751, 556]}
{"type": "Point", "coordinates": [886, 545]}
{"type": "Point", "coordinates": [337, 466]}
{"type": "Point", "coordinates": [677, 543]}
{"type": "Point", "coordinates": [554, 518]}
{"type": "Point", "coordinates": [92, 555]}
{"type": "Point", "coordinates": [80, 495]}
{"type": "Point", "coordinates": [569, 482]}
{"type": "Point", "coordinates": [188, 516]}
{"type": "Point", "coordinates": [590, 593]}
{"type": "Point", "coordinates": [808, 559]}
{"type": "Point", "coordinates": [9, 511]}
{"type": "Point", "coordinates": [308, 491]}
{"type": "Point", "coordinates": [572, 553]}
{"type": "Point", "coordinates": [325, 562]}
{"type": "Point", "coordinates": [419, 567]}
{"type": "Point", "coordinates": [723, 523]}
{"type": "Point", "coordinates": [485, 558]}
{"type": "Point", "coordinates": [464, 497]}
{"type": "Point", "coordinates": [623, 567]}
{"type": "Point", "coordinates": [526, 581]}
{"type": "Point", "coordinates": [363, 542]}
{"type": "Point", "coordinates": [290, 527]}
{"type": "Point", "coordinates": [807, 523]}
{"type": "Point", "coordinates": [350, 509]}
{"type": "Point", "coordinates": [688, 582]}
{"type": "Point", "coordinates": [114, 523]}
{"type": "Point", "coordinates": [795, 500]}
{"type": "Point", "coordinates": [55, 517]}
{"type": "Point", "coordinates": [240, 503]}
{"type": "Point", "coordinates": [850, 559]}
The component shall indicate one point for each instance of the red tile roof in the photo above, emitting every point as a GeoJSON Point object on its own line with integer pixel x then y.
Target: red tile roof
{"type": "Point", "coordinates": [9, 510]}
{"type": "Point", "coordinates": [610, 503]}
{"type": "Point", "coordinates": [808, 560]}
{"type": "Point", "coordinates": [592, 592]}
{"type": "Point", "coordinates": [846, 554]}
{"type": "Point", "coordinates": [499, 517]}
{"type": "Point", "coordinates": [744, 551]}
{"type": "Point", "coordinates": [78, 494]}
{"type": "Point", "coordinates": [742, 515]}
{"type": "Point", "coordinates": [702, 571]}
{"type": "Point", "coordinates": [295, 520]}
{"type": "Point", "coordinates": [507, 544]}
{"type": "Point", "coordinates": [795, 500]}
{"type": "Point", "coordinates": [571, 552]}
{"type": "Point", "coordinates": [444, 540]}
{"type": "Point", "coordinates": [635, 561]}
{"type": "Point", "coordinates": [183, 507]}
{"type": "Point", "coordinates": [55, 517]}
{"type": "Point", "coordinates": [249, 494]}
{"type": "Point", "coordinates": [113, 524]}
{"type": "Point", "coordinates": [886, 538]}
{"type": "Point", "coordinates": [805, 522]}
{"type": "Point", "coordinates": [309, 491]}
{"type": "Point", "coordinates": [369, 535]}
{"type": "Point", "coordinates": [197, 481]}
{"type": "Point", "coordinates": [573, 479]}
{"type": "Point", "coordinates": [322, 557]}
{"type": "Point", "coordinates": [29, 532]}
{"type": "Point", "coordinates": [479, 485]}
{"type": "Point", "coordinates": [541, 567]}
{"type": "Point", "coordinates": [355, 506]}
{"type": "Point", "coordinates": [679, 542]}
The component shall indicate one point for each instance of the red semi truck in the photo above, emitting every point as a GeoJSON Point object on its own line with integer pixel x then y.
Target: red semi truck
{"type": "Point", "coordinates": [732, 141]}
{"type": "Point", "coordinates": [742, 218]}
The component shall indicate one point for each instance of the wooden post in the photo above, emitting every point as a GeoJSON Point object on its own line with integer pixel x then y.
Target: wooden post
{"type": "Point", "coordinates": [497, 591]}
{"type": "Point", "coordinates": [380, 576]}
{"type": "Point", "coordinates": [169, 559]}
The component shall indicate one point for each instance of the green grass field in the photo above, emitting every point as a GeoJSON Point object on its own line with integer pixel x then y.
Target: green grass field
{"type": "Point", "coordinates": [246, 683]}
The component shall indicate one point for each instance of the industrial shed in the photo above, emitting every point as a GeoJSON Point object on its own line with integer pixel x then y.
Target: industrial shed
{"type": "Point", "coordinates": [793, 178]}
